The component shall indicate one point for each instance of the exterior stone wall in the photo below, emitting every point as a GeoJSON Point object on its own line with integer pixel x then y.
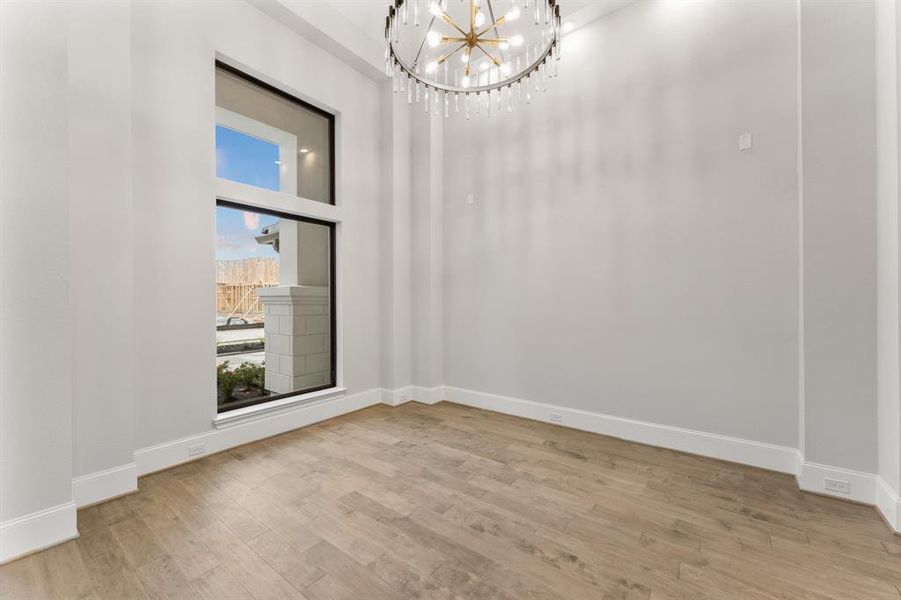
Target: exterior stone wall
{"type": "Point", "coordinates": [297, 337]}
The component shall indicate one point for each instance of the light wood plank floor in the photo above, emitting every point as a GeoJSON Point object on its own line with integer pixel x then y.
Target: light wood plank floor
{"type": "Point", "coordinates": [451, 502]}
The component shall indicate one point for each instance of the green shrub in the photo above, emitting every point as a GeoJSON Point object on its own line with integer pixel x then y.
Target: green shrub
{"type": "Point", "coordinates": [247, 375]}
{"type": "Point", "coordinates": [226, 382]}
{"type": "Point", "coordinates": [251, 375]}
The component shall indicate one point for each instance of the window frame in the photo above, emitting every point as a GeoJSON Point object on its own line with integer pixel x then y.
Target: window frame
{"type": "Point", "coordinates": [306, 105]}
{"type": "Point", "coordinates": [287, 205]}
{"type": "Point", "coordinates": [286, 142]}
{"type": "Point", "coordinates": [333, 321]}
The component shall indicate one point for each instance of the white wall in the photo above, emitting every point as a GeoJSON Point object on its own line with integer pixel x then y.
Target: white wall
{"type": "Point", "coordinates": [174, 45]}
{"type": "Point", "coordinates": [427, 189]}
{"type": "Point", "coordinates": [396, 324]}
{"type": "Point", "coordinates": [101, 236]}
{"type": "Point", "coordinates": [839, 223]}
{"type": "Point", "coordinates": [887, 136]}
{"type": "Point", "coordinates": [35, 317]}
{"type": "Point", "coordinates": [621, 255]}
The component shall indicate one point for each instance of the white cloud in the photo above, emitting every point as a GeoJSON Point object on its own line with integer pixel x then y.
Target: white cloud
{"type": "Point", "coordinates": [251, 221]}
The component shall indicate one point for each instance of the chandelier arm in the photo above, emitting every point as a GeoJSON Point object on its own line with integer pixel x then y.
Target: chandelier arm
{"type": "Point", "coordinates": [447, 19]}
{"type": "Point", "coordinates": [444, 58]}
{"type": "Point", "coordinates": [422, 45]}
{"type": "Point", "coordinates": [497, 33]}
{"type": "Point", "coordinates": [488, 54]}
{"type": "Point", "coordinates": [494, 22]}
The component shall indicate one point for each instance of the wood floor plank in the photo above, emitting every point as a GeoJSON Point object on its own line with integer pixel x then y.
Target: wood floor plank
{"type": "Point", "coordinates": [63, 572]}
{"type": "Point", "coordinates": [218, 584]}
{"type": "Point", "coordinates": [448, 502]}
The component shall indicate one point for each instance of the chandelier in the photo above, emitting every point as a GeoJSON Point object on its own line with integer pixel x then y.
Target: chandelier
{"type": "Point", "coordinates": [481, 51]}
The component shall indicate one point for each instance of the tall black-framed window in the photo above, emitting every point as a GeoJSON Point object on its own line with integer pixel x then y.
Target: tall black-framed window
{"type": "Point", "coordinates": [275, 270]}
{"type": "Point", "coordinates": [275, 337]}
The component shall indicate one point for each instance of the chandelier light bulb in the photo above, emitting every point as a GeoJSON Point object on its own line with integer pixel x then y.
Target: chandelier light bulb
{"type": "Point", "coordinates": [516, 41]}
{"type": "Point", "coordinates": [480, 19]}
{"type": "Point", "coordinates": [464, 58]}
{"type": "Point", "coordinates": [513, 14]}
{"type": "Point", "coordinates": [465, 81]}
{"type": "Point", "coordinates": [431, 67]}
{"type": "Point", "coordinates": [435, 9]}
{"type": "Point", "coordinates": [434, 39]}
{"type": "Point", "coordinates": [484, 66]}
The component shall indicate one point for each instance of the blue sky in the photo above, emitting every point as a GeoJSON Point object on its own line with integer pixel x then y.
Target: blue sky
{"type": "Point", "coordinates": [250, 160]}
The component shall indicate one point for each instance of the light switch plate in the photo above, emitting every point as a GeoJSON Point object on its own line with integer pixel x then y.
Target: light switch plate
{"type": "Point", "coordinates": [745, 141]}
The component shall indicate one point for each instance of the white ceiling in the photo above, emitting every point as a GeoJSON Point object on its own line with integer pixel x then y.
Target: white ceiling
{"type": "Point", "coordinates": [368, 16]}
{"type": "Point", "coordinates": [354, 29]}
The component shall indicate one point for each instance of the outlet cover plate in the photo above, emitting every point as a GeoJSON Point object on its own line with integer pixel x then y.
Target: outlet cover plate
{"type": "Point", "coordinates": [837, 485]}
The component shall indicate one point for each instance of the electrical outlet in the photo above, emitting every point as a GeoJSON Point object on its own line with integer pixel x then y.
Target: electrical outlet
{"type": "Point", "coordinates": [556, 418]}
{"type": "Point", "coordinates": [837, 485]}
{"type": "Point", "coordinates": [196, 450]}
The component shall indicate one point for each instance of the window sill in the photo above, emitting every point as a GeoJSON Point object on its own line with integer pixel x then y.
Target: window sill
{"type": "Point", "coordinates": [253, 413]}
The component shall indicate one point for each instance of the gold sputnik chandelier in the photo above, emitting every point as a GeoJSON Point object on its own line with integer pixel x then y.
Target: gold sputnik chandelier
{"type": "Point", "coordinates": [467, 55]}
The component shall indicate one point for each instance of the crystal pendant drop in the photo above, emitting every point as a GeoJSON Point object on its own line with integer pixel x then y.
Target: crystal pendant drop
{"type": "Point", "coordinates": [509, 99]}
{"type": "Point", "coordinates": [456, 102]}
{"type": "Point", "coordinates": [466, 102]}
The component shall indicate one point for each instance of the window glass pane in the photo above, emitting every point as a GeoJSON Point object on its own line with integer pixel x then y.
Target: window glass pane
{"type": "Point", "coordinates": [273, 307]}
{"type": "Point", "coordinates": [301, 134]}
{"type": "Point", "coordinates": [247, 159]}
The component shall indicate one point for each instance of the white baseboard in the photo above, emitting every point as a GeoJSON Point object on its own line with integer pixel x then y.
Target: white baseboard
{"type": "Point", "coordinates": [37, 531]}
{"type": "Point", "coordinates": [104, 485]}
{"type": "Point", "coordinates": [413, 393]}
{"type": "Point", "coordinates": [169, 454]}
{"type": "Point", "coordinates": [812, 478]}
{"type": "Point", "coordinates": [757, 454]}
{"type": "Point", "coordinates": [428, 395]}
{"type": "Point", "coordinates": [888, 502]}
{"type": "Point", "coordinates": [398, 396]}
